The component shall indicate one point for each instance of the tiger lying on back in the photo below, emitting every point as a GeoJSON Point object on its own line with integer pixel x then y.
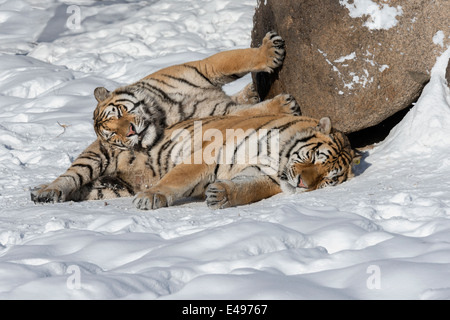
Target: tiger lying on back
{"type": "Point", "coordinates": [136, 115]}
{"type": "Point", "coordinates": [310, 155]}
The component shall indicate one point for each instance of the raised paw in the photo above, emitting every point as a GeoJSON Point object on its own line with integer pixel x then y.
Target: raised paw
{"type": "Point", "coordinates": [288, 104]}
{"type": "Point", "coordinates": [149, 200]}
{"type": "Point", "coordinates": [273, 49]}
{"type": "Point", "coordinates": [218, 195]}
{"type": "Point", "coordinates": [45, 194]}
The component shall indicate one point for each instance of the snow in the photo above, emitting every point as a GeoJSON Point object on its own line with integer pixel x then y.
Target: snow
{"type": "Point", "coordinates": [438, 38]}
{"type": "Point", "coordinates": [383, 235]}
{"type": "Point", "coordinates": [350, 56]}
{"type": "Point", "coordinates": [379, 16]}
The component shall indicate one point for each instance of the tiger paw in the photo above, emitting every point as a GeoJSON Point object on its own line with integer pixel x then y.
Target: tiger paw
{"type": "Point", "coordinates": [150, 201]}
{"type": "Point", "coordinates": [218, 195]}
{"type": "Point", "coordinates": [252, 96]}
{"type": "Point", "coordinates": [273, 49]}
{"type": "Point", "coordinates": [248, 95]}
{"type": "Point", "coordinates": [288, 104]}
{"type": "Point", "coordinates": [45, 194]}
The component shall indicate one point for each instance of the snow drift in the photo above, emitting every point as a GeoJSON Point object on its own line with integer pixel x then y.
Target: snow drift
{"type": "Point", "coordinates": [383, 235]}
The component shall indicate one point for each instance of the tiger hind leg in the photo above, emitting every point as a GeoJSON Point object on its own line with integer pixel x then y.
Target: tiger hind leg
{"type": "Point", "coordinates": [281, 104]}
{"type": "Point", "coordinates": [228, 66]}
{"type": "Point", "coordinates": [247, 96]}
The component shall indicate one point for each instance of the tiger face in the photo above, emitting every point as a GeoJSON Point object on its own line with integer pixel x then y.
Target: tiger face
{"type": "Point", "coordinates": [321, 158]}
{"type": "Point", "coordinates": [119, 120]}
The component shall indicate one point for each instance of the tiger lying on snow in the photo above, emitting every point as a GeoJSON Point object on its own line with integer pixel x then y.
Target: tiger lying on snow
{"type": "Point", "coordinates": [138, 147]}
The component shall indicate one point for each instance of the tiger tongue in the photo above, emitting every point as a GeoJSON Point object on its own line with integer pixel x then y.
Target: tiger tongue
{"type": "Point", "coordinates": [131, 132]}
{"type": "Point", "coordinates": [301, 184]}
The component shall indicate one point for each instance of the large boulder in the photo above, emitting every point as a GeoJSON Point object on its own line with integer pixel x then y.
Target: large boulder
{"type": "Point", "coordinates": [355, 61]}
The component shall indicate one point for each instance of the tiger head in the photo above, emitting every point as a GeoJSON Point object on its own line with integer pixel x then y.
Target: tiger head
{"type": "Point", "coordinates": [120, 120]}
{"type": "Point", "coordinates": [318, 157]}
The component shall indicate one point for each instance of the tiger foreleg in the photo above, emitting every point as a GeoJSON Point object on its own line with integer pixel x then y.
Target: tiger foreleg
{"type": "Point", "coordinates": [240, 190]}
{"type": "Point", "coordinates": [227, 66]}
{"type": "Point", "coordinates": [106, 187]}
{"type": "Point", "coordinates": [84, 170]}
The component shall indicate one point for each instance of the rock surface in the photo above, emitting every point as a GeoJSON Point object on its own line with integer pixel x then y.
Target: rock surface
{"type": "Point", "coordinates": [355, 61]}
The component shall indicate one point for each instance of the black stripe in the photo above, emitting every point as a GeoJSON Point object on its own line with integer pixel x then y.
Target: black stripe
{"type": "Point", "coordinates": [119, 92]}
{"type": "Point", "coordinates": [181, 80]}
{"type": "Point", "coordinates": [164, 146]}
{"type": "Point", "coordinates": [190, 128]}
{"type": "Point", "coordinates": [127, 186]}
{"type": "Point", "coordinates": [309, 147]}
{"type": "Point", "coordinates": [289, 124]}
{"type": "Point", "coordinates": [101, 117]}
{"type": "Point", "coordinates": [181, 110]}
{"type": "Point", "coordinates": [233, 162]}
{"type": "Point", "coordinates": [194, 108]}
{"type": "Point", "coordinates": [80, 177]}
{"type": "Point", "coordinates": [116, 192]}
{"type": "Point", "coordinates": [229, 104]}
{"type": "Point", "coordinates": [92, 153]}
{"type": "Point", "coordinates": [120, 103]}
{"type": "Point", "coordinates": [158, 91]}
{"type": "Point", "coordinates": [303, 140]}
{"type": "Point", "coordinates": [150, 166]}
{"type": "Point", "coordinates": [246, 138]}
{"type": "Point", "coordinates": [169, 150]}
{"type": "Point", "coordinates": [96, 159]}
{"type": "Point", "coordinates": [347, 156]}
{"type": "Point", "coordinates": [216, 169]}
{"type": "Point", "coordinates": [266, 137]}
{"type": "Point", "coordinates": [273, 180]}
{"type": "Point", "coordinates": [194, 189]}
{"type": "Point", "coordinates": [69, 176]}
{"type": "Point", "coordinates": [214, 109]}
{"type": "Point", "coordinates": [161, 116]}
{"type": "Point", "coordinates": [339, 144]}
{"type": "Point", "coordinates": [199, 73]}
{"type": "Point", "coordinates": [117, 103]}
{"type": "Point", "coordinates": [132, 159]}
{"type": "Point", "coordinates": [136, 105]}
{"type": "Point", "coordinates": [265, 175]}
{"type": "Point", "coordinates": [189, 125]}
{"type": "Point", "coordinates": [105, 153]}
{"type": "Point", "coordinates": [161, 81]}
{"type": "Point", "coordinates": [279, 128]}
{"type": "Point", "coordinates": [87, 166]}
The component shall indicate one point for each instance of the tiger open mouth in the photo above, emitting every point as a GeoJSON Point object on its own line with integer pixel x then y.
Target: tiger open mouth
{"type": "Point", "coordinates": [131, 130]}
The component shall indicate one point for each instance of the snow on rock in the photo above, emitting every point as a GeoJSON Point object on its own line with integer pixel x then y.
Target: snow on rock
{"type": "Point", "coordinates": [439, 38]}
{"type": "Point", "coordinates": [384, 234]}
{"type": "Point", "coordinates": [380, 16]}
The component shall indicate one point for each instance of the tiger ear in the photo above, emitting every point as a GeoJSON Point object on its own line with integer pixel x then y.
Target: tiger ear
{"type": "Point", "coordinates": [101, 94]}
{"type": "Point", "coordinates": [324, 125]}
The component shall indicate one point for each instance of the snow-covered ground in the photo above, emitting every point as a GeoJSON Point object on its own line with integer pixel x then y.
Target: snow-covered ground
{"type": "Point", "coordinates": [384, 234]}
